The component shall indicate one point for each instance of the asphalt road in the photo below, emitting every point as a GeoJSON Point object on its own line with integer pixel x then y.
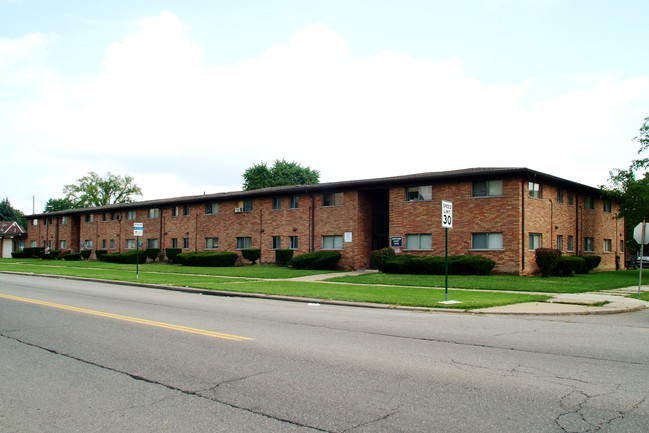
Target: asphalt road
{"type": "Point", "coordinates": [89, 357]}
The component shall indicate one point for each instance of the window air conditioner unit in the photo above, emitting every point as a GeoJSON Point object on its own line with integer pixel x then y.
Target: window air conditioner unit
{"type": "Point", "coordinates": [238, 209]}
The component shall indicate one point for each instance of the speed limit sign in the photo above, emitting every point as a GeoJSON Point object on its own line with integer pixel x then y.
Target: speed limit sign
{"type": "Point", "coordinates": [447, 214]}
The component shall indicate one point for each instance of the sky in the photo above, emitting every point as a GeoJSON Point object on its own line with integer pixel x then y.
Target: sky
{"type": "Point", "coordinates": [184, 96]}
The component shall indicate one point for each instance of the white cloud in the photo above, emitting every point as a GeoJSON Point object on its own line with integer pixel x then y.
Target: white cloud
{"type": "Point", "coordinates": [179, 126]}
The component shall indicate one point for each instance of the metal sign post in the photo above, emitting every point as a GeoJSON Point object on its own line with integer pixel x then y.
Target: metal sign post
{"type": "Point", "coordinates": [138, 230]}
{"type": "Point", "coordinates": [640, 235]}
{"type": "Point", "coordinates": [447, 223]}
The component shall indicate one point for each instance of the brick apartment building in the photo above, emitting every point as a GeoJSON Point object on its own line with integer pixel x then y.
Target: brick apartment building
{"type": "Point", "coordinates": [500, 213]}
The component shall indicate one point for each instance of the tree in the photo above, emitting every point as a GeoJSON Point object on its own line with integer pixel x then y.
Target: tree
{"type": "Point", "coordinates": [92, 190]}
{"type": "Point", "coordinates": [57, 204]}
{"type": "Point", "coordinates": [8, 213]}
{"type": "Point", "coordinates": [630, 192]}
{"type": "Point", "coordinates": [280, 174]}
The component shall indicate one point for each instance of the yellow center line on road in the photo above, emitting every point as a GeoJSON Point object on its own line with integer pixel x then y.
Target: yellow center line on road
{"type": "Point", "coordinates": [130, 319]}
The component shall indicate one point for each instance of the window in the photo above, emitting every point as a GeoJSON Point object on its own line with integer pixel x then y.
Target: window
{"type": "Point", "coordinates": [560, 242]}
{"type": "Point", "coordinates": [152, 243]}
{"type": "Point", "coordinates": [115, 216]}
{"type": "Point", "coordinates": [104, 216]}
{"type": "Point", "coordinates": [607, 207]}
{"type": "Point", "coordinates": [244, 206]}
{"type": "Point", "coordinates": [571, 243]}
{"type": "Point", "coordinates": [277, 242]}
{"type": "Point", "coordinates": [130, 244]}
{"type": "Point", "coordinates": [21, 245]}
{"type": "Point", "coordinates": [186, 210]}
{"type": "Point", "coordinates": [174, 242]}
{"type": "Point", "coordinates": [154, 213]}
{"type": "Point", "coordinates": [87, 244]}
{"type": "Point", "coordinates": [588, 202]}
{"type": "Point", "coordinates": [488, 188]}
{"type": "Point", "coordinates": [589, 245]}
{"type": "Point", "coordinates": [419, 193]}
{"type": "Point", "coordinates": [90, 218]}
{"type": "Point", "coordinates": [211, 243]}
{"type": "Point", "coordinates": [34, 244]}
{"type": "Point", "coordinates": [571, 199]}
{"type": "Point", "coordinates": [608, 245]}
{"type": "Point", "coordinates": [293, 202]}
{"type": "Point", "coordinates": [244, 242]}
{"type": "Point", "coordinates": [277, 203]}
{"type": "Point", "coordinates": [559, 195]}
{"type": "Point", "coordinates": [292, 242]}
{"type": "Point", "coordinates": [131, 214]}
{"type": "Point", "coordinates": [422, 241]}
{"type": "Point", "coordinates": [35, 222]}
{"type": "Point", "coordinates": [103, 244]}
{"type": "Point", "coordinates": [64, 220]}
{"type": "Point", "coordinates": [487, 241]}
{"type": "Point", "coordinates": [332, 242]}
{"type": "Point", "coordinates": [174, 211]}
{"type": "Point", "coordinates": [212, 209]}
{"type": "Point", "coordinates": [535, 241]}
{"type": "Point", "coordinates": [63, 245]}
{"type": "Point", "coordinates": [535, 189]}
{"type": "Point", "coordinates": [112, 244]}
{"type": "Point", "coordinates": [332, 199]}
{"type": "Point", "coordinates": [186, 243]}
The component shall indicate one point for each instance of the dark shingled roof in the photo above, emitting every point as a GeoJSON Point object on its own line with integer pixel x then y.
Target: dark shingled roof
{"type": "Point", "coordinates": [364, 184]}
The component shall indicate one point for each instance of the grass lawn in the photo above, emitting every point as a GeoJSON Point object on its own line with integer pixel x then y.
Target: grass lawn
{"type": "Point", "coordinates": [248, 279]}
{"type": "Point", "coordinates": [575, 284]}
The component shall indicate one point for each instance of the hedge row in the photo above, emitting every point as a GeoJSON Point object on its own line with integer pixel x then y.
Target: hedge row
{"type": "Point", "coordinates": [316, 260]}
{"type": "Point", "coordinates": [207, 258]}
{"type": "Point", "coordinates": [551, 262]}
{"type": "Point", "coordinates": [129, 257]}
{"type": "Point", "coordinates": [436, 265]}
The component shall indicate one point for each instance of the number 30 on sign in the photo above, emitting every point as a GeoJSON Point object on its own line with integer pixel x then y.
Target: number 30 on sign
{"type": "Point", "coordinates": [447, 214]}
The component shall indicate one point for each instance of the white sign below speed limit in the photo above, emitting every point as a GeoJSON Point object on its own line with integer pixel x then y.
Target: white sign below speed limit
{"type": "Point", "coordinates": [447, 214]}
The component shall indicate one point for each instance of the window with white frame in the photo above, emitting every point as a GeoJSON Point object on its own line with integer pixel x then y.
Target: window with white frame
{"type": "Point", "coordinates": [277, 242]}
{"type": "Point", "coordinates": [112, 244]}
{"type": "Point", "coordinates": [293, 202]}
{"type": "Point", "coordinates": [332, 199]}
{"type": "Point", "coordinates": [571, 243]}
{"type": "Point", "coordinates": [334, 242]}
{"type": "Point", "coordinates": [64, 220]}
{"type": "Point", "coordinates": [174, 242]}
{"type": "Point", "coordinates": [152, 243]}
{"type": "Point", "coordinates": [90, 218]}
{"type": "Point", "coordinates": [487, 241]}
{"type": "Point", "coordinates": [174, 211]}
{"type": "Point", "coordinates": [292, 242]}
{"type": "Point", "coordinates": [589, 244]}
{"type": "Point", "coordinates": [154, 212]}
{"type": "Point", "coordinates": [419, 241]}
{"type": "Point", "coordinates": [487, 188]}
{"type": "Point", "coordinates": [63, 244]}
{"type": "Point", "coordinates": [589, 203]}
{"type": "Point", "coordinates": [244, 206]}
{"type": "Point", "coordinates": [87, 244]}
{"type": "Point", "coordinates": [212, 208]}
{"type": "Point", "coordinates": [560, 242]}
{"type": "Point", "coordinates": [131, 214]}
{"type": "Point", "coordinates": [607, 206]}
{"type": "Point", "coordinates": [130, 244]}
{"type": "Point", "coordinates": [34, 244]}
{"type": "Point", "coordinates": [103, 243]}
{"type": "Point", "coordinates": [535, 190]}
{"type": "Point", "coordinates": [185, 243]}
{"type": "Point", "coordinates": [535, 241]}
{"type": "Point", "coordinates": [608, 245]}
{"type": "Point", "coordinates": [244, 242]}
{"type": "Point", "coordinates": [186, 210]}
{"type": "Point", "coordinates": [35, 222]}
{"type": "Point", "coordinates": [211, 243]}
{"type": "Point", "coordinates": [559, 195]}
{"type": "Point", "coordinates": [419, 193]}
{"type": "Point", "coordinates": [277, 203]}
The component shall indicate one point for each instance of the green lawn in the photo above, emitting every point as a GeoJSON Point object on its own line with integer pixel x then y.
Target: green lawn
{"type": "Point", "coordinates": [248, 279]}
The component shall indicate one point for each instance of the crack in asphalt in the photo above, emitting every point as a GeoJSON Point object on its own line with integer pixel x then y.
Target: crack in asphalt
{"type": "Point", "coordinates": [170, 387]}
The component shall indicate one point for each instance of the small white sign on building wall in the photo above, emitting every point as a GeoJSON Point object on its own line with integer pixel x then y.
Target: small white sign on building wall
{"type": "Point", "coordinates": [348, 236]}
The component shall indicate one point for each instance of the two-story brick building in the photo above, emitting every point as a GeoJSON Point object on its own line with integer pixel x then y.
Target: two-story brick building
{"type": "Point", "coordinates": [500, 213]}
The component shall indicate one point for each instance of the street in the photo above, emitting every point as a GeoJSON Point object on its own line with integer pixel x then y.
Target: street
{"type": "Point", "coordinates": [81, 356]}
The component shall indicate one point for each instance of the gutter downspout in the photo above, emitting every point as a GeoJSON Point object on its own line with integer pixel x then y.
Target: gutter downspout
{"type": "Point", "coordinates": [522, 225]}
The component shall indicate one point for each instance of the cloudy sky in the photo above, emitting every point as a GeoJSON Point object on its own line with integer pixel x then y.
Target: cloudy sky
{"type": "Point", "coordinates": [186, 95]}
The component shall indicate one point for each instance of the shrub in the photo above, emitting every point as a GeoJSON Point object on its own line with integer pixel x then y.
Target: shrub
{"type": "Point", "coordinates": [283, 256]}
{"type": "Point", "coordinates": [152, 253]}
{"type": "Point", "coordinates": [100, 254]}
{"type": "Point", "coordinates": [591, 262]}
{"type": "Point", "coordinates": [436, 265]}
{"type": "Point", "coordinates": [470, 265]}
{"type": "Point", "coordinates": [129, 257]}
{"type": "Point", "coordinates": [380, 256]}
{"type": "Point", "coordinates": [252, 254]}
{"type": "Point", "coordinates": [86, 254]}
{"type": "Point", "coordinates": [316, 260]}
{"type": "Point", "coordinates": [54, 254]}
{"type": "Point", "coordinates": [34, 251]}
{"type": "Point", "coordinates": [207, 258]}
{"type": "Point", "coordinates": [546, 260]}
{"type": "Point", "coordinates": [21, 254]}
{"type": "Point", "coordinates": [172, 253]}
{"type": "Point", "coordinates": [568, 265]}
{"type": "Point", "coordinates": [72, 256]}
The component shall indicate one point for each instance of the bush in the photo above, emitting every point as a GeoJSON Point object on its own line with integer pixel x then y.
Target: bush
{"type": "Point", "coordinates": [34, 251]}
{"type": "Point", "coordinates": [172, 253]}
{"type": "Point", "coordinates": [568, 265]}
{"type": "Point", "coordinates": [252, 254]}
{"type": "Point", "coordinates": [72, 257]}
{"type": "Point", "coordinates": [207, 258]}
{"type": "Point", "coordinates": [54, 254]}
{"type": "Point", "coordinates": [86, 254]}
{"type": "Point", "coordinates": [283, 256]}
{"type": "Point", "coordinates": [316, 260]}
{"type": "Point", "coordinates": [21, 254]}
{"type": "Point", "coordinates": [129, 257]}
{"type": "Point", "coordinates": [436, 265]}
{"type": "Point", "coordinates": [591, 262]}
{"type": "Point", "coordinates": [99, 254]}
{"type": "Point", "coordinates": [380, 256]}
{"type": "Point", "coordinates": [546, 260]}
{"type": "Point", "coordinates": [152, 253]}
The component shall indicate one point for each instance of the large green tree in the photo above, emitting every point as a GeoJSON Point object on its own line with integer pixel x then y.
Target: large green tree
{"type": "Point", "coordinates": [92, 190]}
{"type": "Point", "coordinates": [57, 204]}
{"type": "Point", "coordinates": [8, 213]}
{"type": "Point", "coordinates": [282, 173]}
{"type": "Point", "coordinates": [630, 188]}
